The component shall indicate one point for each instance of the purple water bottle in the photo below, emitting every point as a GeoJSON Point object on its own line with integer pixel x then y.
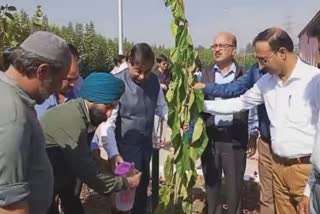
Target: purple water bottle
{"type": "Point", "coordinates": [124, 200]}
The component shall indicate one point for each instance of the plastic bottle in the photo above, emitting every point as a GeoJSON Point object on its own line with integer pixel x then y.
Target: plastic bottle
{"type": "Point", "coordinates": [124, 200]}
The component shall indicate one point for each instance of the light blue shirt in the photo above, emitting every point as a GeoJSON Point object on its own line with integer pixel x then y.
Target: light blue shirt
{"type": "Point", "coordinates": [220, 78]}
{"type": "Point", "coordinates": [52, 101]}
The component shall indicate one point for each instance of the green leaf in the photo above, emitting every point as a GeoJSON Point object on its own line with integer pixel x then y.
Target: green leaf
{"type": "Point", "coordinates": [9, 15]}
{"type": "Point", "coordinates": [198, 130]}
{"type": "Point", "coordinates": [187, 206]}
{"type": "Point", "coordinates": [165, 194]}
{"type": "Point", "coordinates": [177, 188]}
{"type": "Point", "coordinates": [168, 168]}
{"type": "Point", "coordinates": [11, 8]}
{"type": "Point", "coordinates": [199, 99]}
{"type": "Point", "coordinates": [171, 92]}
{"type": "Point", "coordinates": [184, 163]}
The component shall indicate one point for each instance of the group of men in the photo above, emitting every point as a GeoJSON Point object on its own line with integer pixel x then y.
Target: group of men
{"type": "Point", "coordinates": [282, 89]}
{"type": "Point", "coordinates": [43, 159]}
{"type": "Point", "coordinates": [48, 124]}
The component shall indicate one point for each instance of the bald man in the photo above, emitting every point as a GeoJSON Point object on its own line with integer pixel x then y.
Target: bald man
{"type": "Point", "coordinates": [228, 134]}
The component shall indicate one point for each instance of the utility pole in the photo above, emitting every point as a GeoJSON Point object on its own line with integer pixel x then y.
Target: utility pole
{"type": "Point", "coordinates": [288, 25]}
{"type": "Point", "coordinates": [120, 26]}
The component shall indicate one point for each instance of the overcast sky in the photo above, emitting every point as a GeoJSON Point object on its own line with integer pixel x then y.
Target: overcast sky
{"type": "Point", "coordinates": [149, 20]}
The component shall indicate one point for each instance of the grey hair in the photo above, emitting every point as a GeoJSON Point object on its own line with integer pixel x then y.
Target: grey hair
{"type": "Point", "coordinates": [27, 62]}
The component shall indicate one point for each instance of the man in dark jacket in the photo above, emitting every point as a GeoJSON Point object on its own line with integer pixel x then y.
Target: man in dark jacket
{"type": "Point", "coordinates": [227, 134]}
{"type": "Point", "coordinates": [234, 89]}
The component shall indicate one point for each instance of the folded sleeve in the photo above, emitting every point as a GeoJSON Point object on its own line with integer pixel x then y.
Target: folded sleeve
{"type": "Point", "coordinates": [80, 160]}
{"type": "Point", "coordinates": [14, 152]}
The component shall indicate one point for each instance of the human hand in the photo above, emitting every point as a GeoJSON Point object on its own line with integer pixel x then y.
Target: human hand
{"type": "Point", "coordinates": [134, 180]}
{"type": "Point", "coordinates": [252, 146]}
{"type": "Point", "coordinates": [115, 161]}
{"type": "Point", "coordinates": [304, 205]}
{"type": "Point", "coordinates": [199, 85]}
{"type": "Point", "coordinates": [163, 87]}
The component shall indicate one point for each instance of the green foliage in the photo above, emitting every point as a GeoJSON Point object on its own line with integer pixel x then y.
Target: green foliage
{"type": "Point", "coordinates": [246, 60]}
{"type": "Point", "coordinates": [184, 106]}
{"type": "Point", "coordinates": [97, 52]}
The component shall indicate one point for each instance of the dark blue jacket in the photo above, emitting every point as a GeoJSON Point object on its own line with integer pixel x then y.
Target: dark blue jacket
{"type": "Point", "coordinates": [238, 87]}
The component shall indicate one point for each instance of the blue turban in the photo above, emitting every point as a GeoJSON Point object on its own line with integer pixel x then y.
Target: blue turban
{"type": "Point", "coordinates": [101, 88]}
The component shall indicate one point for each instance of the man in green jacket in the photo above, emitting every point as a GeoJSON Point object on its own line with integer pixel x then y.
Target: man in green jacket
{"type": "Point", "coordinates": [66, 128]}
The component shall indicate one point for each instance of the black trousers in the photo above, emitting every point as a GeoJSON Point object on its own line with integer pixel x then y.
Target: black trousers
{"type": "Point", "coordinates": [67, 188]}
{"type": "Point", "coordinates": [140, 155]}
{"type": "Point", "coordinates": [231, 158]}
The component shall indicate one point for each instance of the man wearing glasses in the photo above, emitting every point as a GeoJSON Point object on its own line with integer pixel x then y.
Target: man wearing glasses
{"type": "Point", "coordinates": [228, 134]}
{"type": "Point", "coordinates": [289, 91]}
{"type": "Point", "coordinates": [259, 130]}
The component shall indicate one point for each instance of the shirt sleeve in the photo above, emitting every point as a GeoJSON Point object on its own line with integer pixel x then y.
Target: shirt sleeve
{"type": "Point", "coordinates": [81, 162]}
{"type": "Point", "coordinates": [14, 155]}
{"type": "Point", "coordinates": [108, 138]}
{"type": "Point", "coordinates": [232, 89]}
{"type": "Point", "coordinates": [162, 106]}
{"type": "Point", "coordinates": [253, 121]}
{"type": "Point", "coordinates": [94, 145]}
{"type": "Point", "coordinates": [250, 99]}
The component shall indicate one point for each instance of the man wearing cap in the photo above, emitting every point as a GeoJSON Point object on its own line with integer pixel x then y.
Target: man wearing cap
{"type": "Point", "coordinates": [68, 88]}
{"type": "Point", "coordinates": [67, 92]}
{"type": "Point", "coordinates": [66, 129]}
{"type": "Point", "coordinates": [37, 69]}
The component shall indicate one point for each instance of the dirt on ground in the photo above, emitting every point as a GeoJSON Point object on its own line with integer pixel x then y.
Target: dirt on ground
{"type": "Point", "coordinates": [97, 204]}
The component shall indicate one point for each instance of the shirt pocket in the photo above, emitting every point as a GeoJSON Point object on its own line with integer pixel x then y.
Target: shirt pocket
{"type": "Point", "coordinates": [299, 111]}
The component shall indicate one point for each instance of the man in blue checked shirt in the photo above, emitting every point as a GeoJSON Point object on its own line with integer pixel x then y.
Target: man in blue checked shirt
{"type": "Point", "coordinates": [69, 91]}
{"type": "Point", "coordinates": [69, 88]}
{"type": "Point", "coordinates": [237, 88]}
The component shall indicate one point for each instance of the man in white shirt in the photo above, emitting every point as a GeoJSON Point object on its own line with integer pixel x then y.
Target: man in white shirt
{"type": "Point", "coordinates": [289, 93]}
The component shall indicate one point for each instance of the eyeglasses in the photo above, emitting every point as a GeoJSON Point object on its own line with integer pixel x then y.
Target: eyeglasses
{"type": "Point", "coordinates": [265, 60]}
{"type": "Point", "coordinates": [220, 46]}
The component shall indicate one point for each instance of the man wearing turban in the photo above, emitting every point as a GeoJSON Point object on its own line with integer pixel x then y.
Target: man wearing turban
{"type": "Point", "coordinates": [66, 128]}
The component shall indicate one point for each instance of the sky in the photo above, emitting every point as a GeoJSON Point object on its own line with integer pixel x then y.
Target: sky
{"type": "Point", "coordinates": [149, 20]}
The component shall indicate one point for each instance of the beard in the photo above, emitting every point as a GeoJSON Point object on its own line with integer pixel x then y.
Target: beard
{"type": "Point", "coordinates": [45, 90]}
{"type": "Point", "coordinates": [96, 116]}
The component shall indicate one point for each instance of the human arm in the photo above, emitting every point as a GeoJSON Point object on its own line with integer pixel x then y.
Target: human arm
{"type": "Point", "coordinates": [250, 99]}
{"type": "Point", "coordinates": [253, 123]}
{"type": "Point", "coordinates": [304, 203]}
{"type": "Point", "coordinates": [228, 90]}
{"type": "Point", "coordinates": [80, 160]}
{"type": "Point", "coordinates": [162, 106]}
{"type": "Point", "coordinates": [108, 137]}
{"type": "Point", "coordinates": [14, 154]}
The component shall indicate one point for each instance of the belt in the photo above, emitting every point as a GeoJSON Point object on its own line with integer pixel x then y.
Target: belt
{"type": "Point", "coordinates": [292, 161]}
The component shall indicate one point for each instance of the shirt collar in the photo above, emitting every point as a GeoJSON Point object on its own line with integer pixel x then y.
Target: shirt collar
{"type": "Point", "coordinates": [231, 70]}
{"type": "Point", "coordinates": [22, 94]}
{"type": "Point", "coordinates": [123, 66]}
{"type": "Point", "coordinates": [296, 74]}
